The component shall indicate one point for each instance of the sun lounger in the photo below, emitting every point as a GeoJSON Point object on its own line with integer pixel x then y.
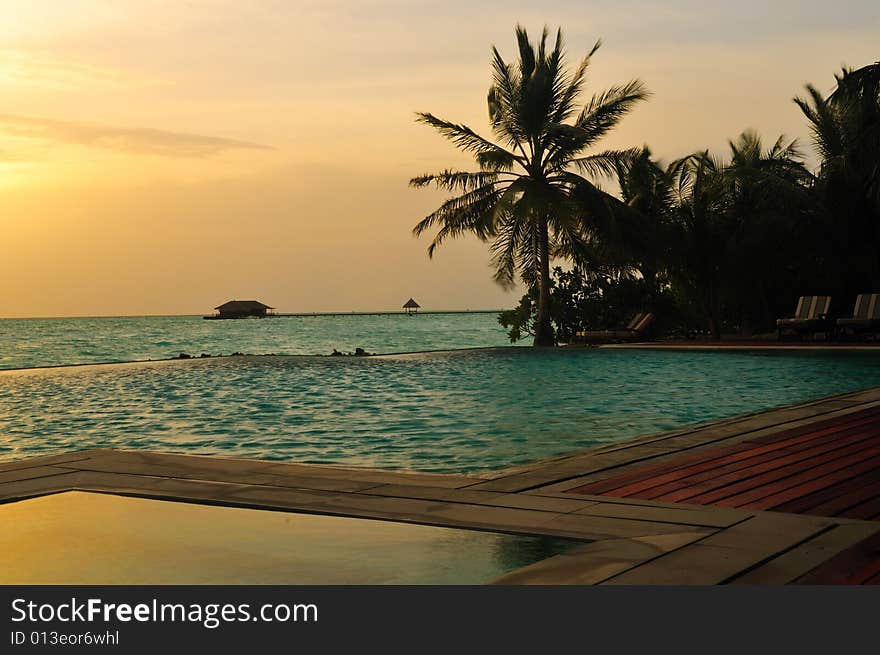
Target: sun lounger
{"type": "Point", "coordinates": [866, 315]}
{"type": "Point", "coordinates": [634, 330]}
{"type": "Point", "coordinates": [811, 315]}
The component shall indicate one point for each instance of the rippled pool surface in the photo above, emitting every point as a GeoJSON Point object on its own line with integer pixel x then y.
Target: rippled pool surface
{"type": "Point", "coordinates": [456, 411]}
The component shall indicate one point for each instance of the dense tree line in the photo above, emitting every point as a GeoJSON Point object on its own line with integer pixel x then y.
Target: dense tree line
{"type": "Point", "coordinates": [708, 244]}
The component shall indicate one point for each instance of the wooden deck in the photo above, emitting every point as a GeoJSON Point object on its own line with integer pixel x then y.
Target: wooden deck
{"type": "Point", "coordinates": [783, 496]}
{"type": "Point", "coordinates": [827, 468]}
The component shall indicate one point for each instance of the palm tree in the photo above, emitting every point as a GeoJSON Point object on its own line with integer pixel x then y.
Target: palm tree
{"type": "Point", "coordinates": [768, 196]}
{"type": "Point", "coordinates": [846, 134]}
{"type": "Point", "coordinates": [647, 188]}
{"type": "Point", "coordinates": [720, 232]}
{"type": "Point", "coordinates": [700, 226]}
{"type": "Point", "coordinates": [529, 198]}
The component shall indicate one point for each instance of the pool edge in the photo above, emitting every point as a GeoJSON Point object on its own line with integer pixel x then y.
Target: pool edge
{"type": "Point", "coordinates": [625, 534]}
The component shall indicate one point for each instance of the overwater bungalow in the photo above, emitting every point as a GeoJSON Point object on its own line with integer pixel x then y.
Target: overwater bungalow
{"type": "Point", "coordinates": [241, 309]}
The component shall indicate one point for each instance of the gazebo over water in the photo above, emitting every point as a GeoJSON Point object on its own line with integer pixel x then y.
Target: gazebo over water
{"type": "Point", "coordinates": [242, 309]}
{"type": "Point", "coordinates": [411, 306]}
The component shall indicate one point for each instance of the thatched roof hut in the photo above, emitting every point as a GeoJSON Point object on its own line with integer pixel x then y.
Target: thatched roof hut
{"type": "Point", "coordinates": [242, 309]}
{"type": "Point", "coordinates": [411, 306]}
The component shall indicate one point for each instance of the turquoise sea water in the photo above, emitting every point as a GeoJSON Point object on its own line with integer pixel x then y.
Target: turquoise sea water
{"type": "Point", "coordinates": [468, 410]}
{"type": "Point", "coordinates": [54, 341]}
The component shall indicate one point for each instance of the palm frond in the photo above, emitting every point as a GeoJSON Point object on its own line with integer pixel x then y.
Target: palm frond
{"type": "Point", "coordinates": [604, 164]}
{"type": "Point", "coordinates": [527, 51]}
{"type": "Point", "coordinates": [471, 211]}
{"type": "Point", "coordinates": [455, 181]}
{"type": "Point", "coordinates": [503, 101]}
{"type": "Point", "coordinates": [824, 123]}
{"type": "Point", "coordinates": [605, 110]}
{"type": "Point", "coordinates": [496, 161]}
{"type": "Point", "coordinates": [567, 97]}
{"type": "Point", "coordinates": [506, 248]}
{"type": "Point", "coordinates": [462, 136]}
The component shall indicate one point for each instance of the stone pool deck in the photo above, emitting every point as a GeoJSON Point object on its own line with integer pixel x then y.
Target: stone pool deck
{"type": "Point", "coordinates": [652, 510]}
{"type": "Point", "coordinates": [747, 345]}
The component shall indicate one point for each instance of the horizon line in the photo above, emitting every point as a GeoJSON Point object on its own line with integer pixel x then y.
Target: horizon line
{"type": "Point", "coordinates": [355, 312]}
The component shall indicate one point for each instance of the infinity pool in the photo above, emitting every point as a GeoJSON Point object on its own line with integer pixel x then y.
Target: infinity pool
{"type": "Point", "coordinates": [459, 411]}
{"type": "Point", "coordinates": [87, 538]}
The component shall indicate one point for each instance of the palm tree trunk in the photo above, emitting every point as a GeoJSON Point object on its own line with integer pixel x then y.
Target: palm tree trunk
{"type": "Point", "coordinates": [712, 312]}
{"type": "Point", "coordinates": [715, 320]}
{"type": "Point", "coordinates": [766, 317]}
{"type": "Point", "coordinates": [544, 328]}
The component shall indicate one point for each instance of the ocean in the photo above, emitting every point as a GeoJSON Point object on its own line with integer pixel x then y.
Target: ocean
{"type": "Point", "coordinates": [26, 343]}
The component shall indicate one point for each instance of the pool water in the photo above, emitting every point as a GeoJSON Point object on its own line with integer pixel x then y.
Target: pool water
{"type": "Point", "coordinates": [459, 411]}
{"type": "Point", "coordinates": [79, 538]}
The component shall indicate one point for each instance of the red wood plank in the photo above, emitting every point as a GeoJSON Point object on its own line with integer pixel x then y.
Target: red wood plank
{"type": "Point", "coordinates": [638, 481]}
{"type": "Point", "coordinates": [830, 467]}
{"type": "Point", "coordinates": [739, 483]}
{"type": "Point", "coordinates": [799, 485]}
{"type": "Point", "coordinates": [862, 417]}
{"type": "Point", "coordinates": [804, 504]}
{"type": "Point", "coordinates": [840, 505]}
{"type": "Point", "coordinates": [704, 460]}
{"type": "Point", "coordinates": [759, 486]}
{"type": "Point", "coordinates": [744, 464]}
{"type": "Point", "coordinates": [649, 472]}
{"type": "Point", "coordinates": [868, 510]}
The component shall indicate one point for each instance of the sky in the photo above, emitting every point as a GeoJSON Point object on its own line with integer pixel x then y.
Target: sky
{"type": "Point", "coordinates": [164, 156]}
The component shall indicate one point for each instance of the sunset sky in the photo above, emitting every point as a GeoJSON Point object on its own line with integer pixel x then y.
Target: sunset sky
{"type": "Point", "coordinates": [163, 156]}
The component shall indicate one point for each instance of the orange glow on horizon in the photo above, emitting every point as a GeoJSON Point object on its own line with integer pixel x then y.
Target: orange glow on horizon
{"type": "Point", "coordinates": [152, 166]}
